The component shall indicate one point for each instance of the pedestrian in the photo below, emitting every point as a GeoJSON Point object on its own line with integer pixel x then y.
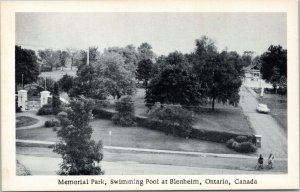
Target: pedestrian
{"type": "Point", "coordinates": [260, 162]}
{"type": "Point", "coordinates": [271, 161]}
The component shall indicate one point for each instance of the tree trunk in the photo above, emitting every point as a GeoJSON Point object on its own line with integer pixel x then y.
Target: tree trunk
{"type": "Point", "coordinates": [213, 103]}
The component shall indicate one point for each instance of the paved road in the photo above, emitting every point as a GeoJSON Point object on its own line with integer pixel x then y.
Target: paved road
{"type": "Point", "coordinates": [274, 137]}
{"type": "Point", "coordinates": [42, 161]}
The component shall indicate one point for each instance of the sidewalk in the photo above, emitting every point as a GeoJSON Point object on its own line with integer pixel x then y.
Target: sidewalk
{"type": "Point", "coordinates": [33, 143]}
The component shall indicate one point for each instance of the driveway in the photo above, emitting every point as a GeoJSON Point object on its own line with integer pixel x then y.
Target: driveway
{"type": "Point", "coordinates": [274, 137]}
{"type": "Point", "coordinates": [40, 123]}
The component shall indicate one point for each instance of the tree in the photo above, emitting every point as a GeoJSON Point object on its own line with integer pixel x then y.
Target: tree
{"type": "Point", "coordinates": [125, 112]}
{"type": "Point", "coordinates": [129, 54]}
{"type": "Point", "coordinates": [49, 58]}
{"type": "Point", "coordinates": [26, 66]}
{"type": "Point", "coordinates": [88, 84]}
{"type": "Point", "coordinates": [144, 70]}
{"type": "Point", "coordinates": [145, 52]}
{"type": "Point", "coordinates": [174, 85]}
{"type": "Point", "coordinates": [219, 73]}
{"type": "Point", "coordinates": [63, 57]}
{"type": "Point", "coordinates": [81, 155]}
{"type": "Point", "coordinates": [55, 100]}
{"type": "Point", "coordinates": [94, 55]}
{"type": "Point", "coordinates": [48, 82]}
{"type": "Point", "coordinates": [66, 83]}
{"type": "Point", "coordinates": [274, 64]}
{"type": "Point", "coordinates": [247, 58]}
{"type": "Point", "coordinates": [116, 76]}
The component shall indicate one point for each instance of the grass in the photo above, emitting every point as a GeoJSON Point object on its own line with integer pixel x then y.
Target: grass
{"type": "Point", "coordinates": [223, 118]}
{"type": "Point", "coordinates": [23, 121]}
{"type": "Point", "coordinates": [229, 119]}
{"type": "Point", "coordinates": [278, 107]}
{"type": "Point", "coordinates": [58, 74]}
{"type": "Point", "coordinates": [137, 137]}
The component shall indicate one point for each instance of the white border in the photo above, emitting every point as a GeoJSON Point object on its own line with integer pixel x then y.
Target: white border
{"type": "Point", "coordinates": [17, 183]}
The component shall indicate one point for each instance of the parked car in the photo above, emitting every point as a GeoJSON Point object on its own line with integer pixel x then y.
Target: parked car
{"type": "Point", "coordinates": [262, 108]}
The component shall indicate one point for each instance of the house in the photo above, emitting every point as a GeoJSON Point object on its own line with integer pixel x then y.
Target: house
{"type": "Point", "coordinates": [252, 77]}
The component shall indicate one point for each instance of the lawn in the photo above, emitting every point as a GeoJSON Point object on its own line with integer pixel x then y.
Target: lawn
{"type": "Point", "coordinates": [132, 137]}
{"type": "Point", "coordinates": [278, 107]}
{"type": "Point", "coordinates": [23, 121]}
{"type": "Point", "coordinates": [223, 118]}
{"type": "Point", "coordinates": [58, 74]}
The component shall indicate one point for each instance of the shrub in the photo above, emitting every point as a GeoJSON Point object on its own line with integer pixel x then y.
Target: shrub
{"type": "Point", "coordinates": [56, 100]}
{"type": "Point", "coordinates": [229, 143]}
{"type": "Point", "coordinates": [52, 123]}
{"type": "Point", "coordinates": [245, 147]}
{"type": "Point", "coordinates": [66, 83]}
{"type": "Point", "coordinates": [125, 112]}
{"type": "Point", "coordinates": [174, 115]}
{"type": "Point", "coordinates": [102, 114]}
{"type": "Point", "coordinates": [241, 138]}
{"type": "Point", "coordinates": [45, 110]}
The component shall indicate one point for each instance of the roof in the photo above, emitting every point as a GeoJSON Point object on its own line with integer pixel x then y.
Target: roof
{"type": "Point", "coordinates": [252, 66]}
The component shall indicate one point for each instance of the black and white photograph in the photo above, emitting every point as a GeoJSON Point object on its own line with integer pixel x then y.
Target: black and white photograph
{"type": "Point", "coordinates": [151, 93]}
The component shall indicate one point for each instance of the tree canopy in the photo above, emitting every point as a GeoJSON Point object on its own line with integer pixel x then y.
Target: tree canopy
{"type": "Point", "coordinates": [274, 64]}
{"type": "Point", "coordinates": [81, 155]}
{"type": "Point", "coordinates": [25, 65]}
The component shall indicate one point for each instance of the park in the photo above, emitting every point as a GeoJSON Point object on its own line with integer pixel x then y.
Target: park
{"type": "Point", "coordinates": [127, 105]}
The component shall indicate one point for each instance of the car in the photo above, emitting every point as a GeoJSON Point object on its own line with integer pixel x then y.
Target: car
{"type": "Point", "coordinates": [262, 108]}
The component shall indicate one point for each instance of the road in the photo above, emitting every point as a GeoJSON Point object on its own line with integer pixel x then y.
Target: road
{"type": "Point", "coordinates": [274, 137]}
{"type": "Point", "coordinates": [42, 161]}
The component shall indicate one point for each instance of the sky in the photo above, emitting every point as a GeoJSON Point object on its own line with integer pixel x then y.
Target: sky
{"type": "Point", "coordinates": [165, 32]}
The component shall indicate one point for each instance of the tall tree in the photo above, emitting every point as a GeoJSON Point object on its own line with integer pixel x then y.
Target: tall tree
{"type": "Point", "coordinates": [219, 73]}
{"type": "Point", "coordinates": [55, 100]}
{"type": "Point", "coordinates": [115, 74]}
{"type": "Point", "coordinates": [144, 70]}
{"type": "Point", "coordinates": [145, 52]}
{"type": "Point", "coordinates": [49, 58]}
{"type": "Point", "coordinates": [274, 64]}
{"type": "Point", "coordinates": [26, 66]}
{"type": "Point", "coordinates": [81, 155]}
{"type": "Point", "coordinates": [175, 83]}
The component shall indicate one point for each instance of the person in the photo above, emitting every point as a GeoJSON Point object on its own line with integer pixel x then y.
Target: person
{"type": "Point", "coordinates": [261, 161]}
{"type": "Point", "coordinates": [271, 161]}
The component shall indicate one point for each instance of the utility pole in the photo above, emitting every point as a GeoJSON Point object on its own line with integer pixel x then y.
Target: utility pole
{"type": "Point", "coordinates": [22, 81]}
{"type": "Point", "coordinates": [88, 56]}
{"type": "Point", "coordinates": [45, 83]}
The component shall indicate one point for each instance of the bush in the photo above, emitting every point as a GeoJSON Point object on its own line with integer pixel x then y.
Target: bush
{"type": "Point", "coordinates": [125, 112]}
{"type": "Point", "coordinates": [102, 114]}
{"type": "Point", "coordinates": [45, 110]}
{"type": "Point", "coordinates": [229, 143]}
{"type": "Point", "coordinates": [66, 83]}
{"type": "Point", "coordinates": [242, 147]}
{"type": "Point", "coordinates": [174, 115]}
{"type": "Point", "coordinates": [52, 123]}
{"type": "Point", "coordinates": [241, 138]}
{"type": "Point", "coordinates": [245, 147]}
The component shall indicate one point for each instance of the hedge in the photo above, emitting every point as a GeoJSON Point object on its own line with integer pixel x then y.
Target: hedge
{"type": "Point", "coordinates": [201, 134]}
{"type": "Point", "coordinates": [102, 114]}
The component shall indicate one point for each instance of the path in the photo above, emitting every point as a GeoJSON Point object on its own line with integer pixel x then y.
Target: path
{"type": "Point", "coordinates": [40, 123]}
{"type": "Point", "coordinates": [42, 161]}
{"type": "Point", "coordinates": [274, 137]}
{"type": "Point", "coordinates": [33, 143]}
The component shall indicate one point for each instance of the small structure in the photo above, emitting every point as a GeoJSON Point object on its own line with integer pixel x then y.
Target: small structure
{"type": "Point", "coordinates": [258, 141]}
{"type": "Point", "coordinates": [44, 97]}
{"type": "Point", "coordinates": [22, 99]}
